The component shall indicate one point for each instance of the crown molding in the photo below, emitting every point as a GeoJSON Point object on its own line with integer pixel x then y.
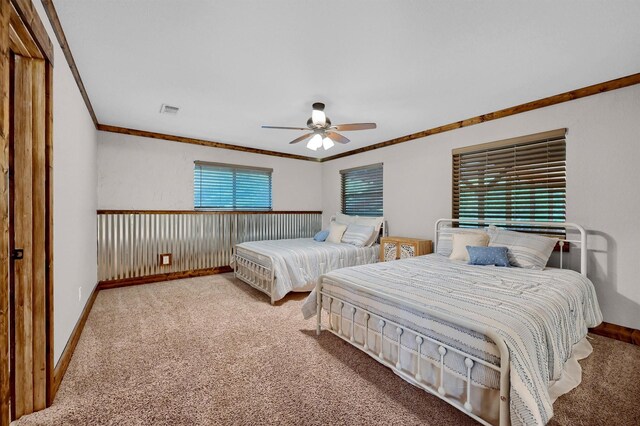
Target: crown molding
{"type": "Point", "coordinates": [594, 89]}
{"type": "Point", "coordinates": [202, 142]}
{"type": "Point", "coordinates": [62, 40]}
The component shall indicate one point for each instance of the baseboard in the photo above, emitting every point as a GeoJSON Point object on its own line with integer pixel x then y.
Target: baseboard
{"type": "Point", "coordinates": [65, 358]}
{"type": "Point", "coordinates": [104, 285]}
{"type": "Point", "coordinates": [618, 332]}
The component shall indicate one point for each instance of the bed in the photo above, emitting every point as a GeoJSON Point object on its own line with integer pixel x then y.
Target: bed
{"type": "Point", "coordinates": [499, 344]}
{"type": "Point", "coordinates": [277, 267]}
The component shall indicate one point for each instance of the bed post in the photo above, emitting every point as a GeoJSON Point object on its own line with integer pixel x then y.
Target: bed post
{"type": "Point", "coordinates": [319, 306]}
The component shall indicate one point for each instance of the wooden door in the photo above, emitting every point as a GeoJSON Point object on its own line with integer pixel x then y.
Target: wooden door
{"type": "Point", "coordinates": [26, 212]}
{"type": "Point", "coordinates": [27, 234]}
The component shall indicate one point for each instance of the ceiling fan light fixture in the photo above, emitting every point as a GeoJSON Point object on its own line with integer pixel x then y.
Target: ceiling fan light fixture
{"type": "Point", "coordinates": [318, 116]}
{"type": "Point", "coordinates": [315, 142]}
{"type": "Point", "coordinates": [327, 143]}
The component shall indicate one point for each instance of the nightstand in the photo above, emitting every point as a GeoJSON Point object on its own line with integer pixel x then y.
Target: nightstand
{"type": "Point", "coordinates": [392, 248]}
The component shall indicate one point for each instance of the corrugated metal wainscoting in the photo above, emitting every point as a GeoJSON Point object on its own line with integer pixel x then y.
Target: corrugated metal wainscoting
{"type": "Point", "coordinates": [130, 242]}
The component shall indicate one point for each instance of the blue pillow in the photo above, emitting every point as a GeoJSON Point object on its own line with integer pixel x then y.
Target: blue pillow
{"type": "Point", "coordinates": [322, 235]}
{"type": "Point", "coordinates": [496, 256]}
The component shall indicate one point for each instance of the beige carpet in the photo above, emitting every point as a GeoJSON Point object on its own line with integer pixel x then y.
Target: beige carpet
{"type": "Point", "coordinates": [212, 350]}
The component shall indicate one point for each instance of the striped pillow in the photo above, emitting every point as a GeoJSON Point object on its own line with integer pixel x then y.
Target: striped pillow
{"type": "Point", "coordinates": [358, 235]}
{"type": "Point", "coordinates": [445, 238]}
{"type": "Point", "coordinates": [525, 250]}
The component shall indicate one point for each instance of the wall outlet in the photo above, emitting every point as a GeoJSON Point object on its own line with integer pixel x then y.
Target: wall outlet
{"type": "Point", "coordinates": [165, 259]}
{"type": "Point", "coordinates": [79, 294]}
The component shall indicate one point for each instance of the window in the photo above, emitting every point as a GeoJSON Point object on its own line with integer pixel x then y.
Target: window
{"type": "Point", "coordinates": [229, 187]}
{"type": "Point", "coordinates": [362, 190]}
{"type": "Point", "coordinates": [520, 179]}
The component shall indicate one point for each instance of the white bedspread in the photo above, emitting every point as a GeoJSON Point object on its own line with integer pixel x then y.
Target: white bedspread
{"type": "Point", "coordinates": [539, 314]}
{"type": "Point", "coordinates": [299, 263]}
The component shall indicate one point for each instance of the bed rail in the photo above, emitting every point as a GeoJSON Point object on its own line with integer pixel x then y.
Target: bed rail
{"type": "Point", "coordinates": [581, 242]}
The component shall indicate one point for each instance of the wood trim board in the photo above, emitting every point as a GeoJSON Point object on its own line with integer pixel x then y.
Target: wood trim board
{"type": "Point", "coordinates": [203, 212]}
{"type": "Point", "coordinates": [618, 332]}
{"type": "Point", "coordinates": [5, 386]}
{"type": "Point", "coordinates": [594, 89]}
{"type": "Point", "coordinates": [29, 16]}
{"type": "Point", "coordinates": [506, 112]}
{"type": "Point", "coordinates": [105, 285]}
{"type": "Point", "coordinates": [202, 142]}
{"type": "Point", "coordinates": [52, 14]}
{"type": "Point", "coordinates": [67, 353]}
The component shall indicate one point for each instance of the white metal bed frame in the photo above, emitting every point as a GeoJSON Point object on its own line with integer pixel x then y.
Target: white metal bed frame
{"type": "Point", "coordinates": [262, 276]}
{"type": "Point", "coordinates": [413, 374]}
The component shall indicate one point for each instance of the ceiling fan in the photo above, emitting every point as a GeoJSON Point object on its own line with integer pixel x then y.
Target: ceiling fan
{"type": "Point", "coordinates": [323, 133]}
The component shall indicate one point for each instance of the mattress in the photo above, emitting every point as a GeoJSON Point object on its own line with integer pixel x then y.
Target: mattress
{"type": "Point", "coordinates": [540, 315]}
{"type": "Point", "coordinates": [299, 263]}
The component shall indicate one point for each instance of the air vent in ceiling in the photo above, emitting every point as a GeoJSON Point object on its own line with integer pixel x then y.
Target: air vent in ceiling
{"type": "Point", "coordinates": [168, 109]}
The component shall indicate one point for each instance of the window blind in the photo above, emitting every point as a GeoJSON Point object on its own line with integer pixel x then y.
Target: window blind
{"type": "Point", "coordinates": [361, 191]}
{"type": "Point", "coordinates": [521, 179]}
{"type": "Point", "coordinates": [230, 187]}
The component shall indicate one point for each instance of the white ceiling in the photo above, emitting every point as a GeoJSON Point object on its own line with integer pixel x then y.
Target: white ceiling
{"type": "Point", "coordinates": [408, 65]}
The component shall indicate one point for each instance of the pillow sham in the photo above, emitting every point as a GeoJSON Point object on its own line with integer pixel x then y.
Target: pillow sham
{"type": "Point", "coordinates": [445, 238]}
{"type": "Point", "coordinates": [376, 222]}
{"type": "Point", "coordinates": [357, 235]}
{"type": "Point", "coordinates": [497, 256]}
{"type": "Point", "coordinates": [462, 240]}
{"type": "Point", "coordinates": [321, 236]}
{"type": "Point", "coordinates": [336, 230]}
{"type": "Point", "coordinates": [527, 251]}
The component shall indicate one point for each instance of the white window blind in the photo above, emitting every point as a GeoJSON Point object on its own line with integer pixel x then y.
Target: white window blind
{"type": "Point", "coordinates": [230, 187]}
{"type": "Point", "coordinates": [362, 190]}
{"type": "Point", "coordinates": [521, 179]}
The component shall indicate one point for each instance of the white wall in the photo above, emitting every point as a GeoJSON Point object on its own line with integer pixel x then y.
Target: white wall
{"type": "Point", "coordinates": [74, 197]}
{"type": "Point", "coordinates": [603, 152]}
{"type": "Point", "coordinates": [151, 174]}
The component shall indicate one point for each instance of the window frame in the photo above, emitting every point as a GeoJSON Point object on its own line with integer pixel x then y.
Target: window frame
{"type": "Point", "coordinates": [379, 188]}
{"type": "Point", "coordinates": [234, 168]}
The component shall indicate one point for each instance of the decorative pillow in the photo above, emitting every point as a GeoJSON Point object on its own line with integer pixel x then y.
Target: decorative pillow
{"type": "Point", "coordinates": [336, 230]}
{"type": "Point", "coordinates": [496, 256]}
{"type": "Point", "coordinates": [376, 222]}
{"type": "Point", "coordinates": [525, 250]}
{"type": "Point", "coordinates": [322, 235]}
{"type": "Point", "coordinates": [462, 240]}
{"type": "Point", "coordinates": [445, 238]}
{"type": "Point", "coordinates": [358, 235]}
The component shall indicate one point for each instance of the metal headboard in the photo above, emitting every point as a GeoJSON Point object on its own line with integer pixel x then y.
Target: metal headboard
{"type": "Point", "coordinates": [582, 242]}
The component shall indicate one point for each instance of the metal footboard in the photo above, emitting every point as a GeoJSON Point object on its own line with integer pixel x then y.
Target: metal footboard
{"type": "Point", "coordinates": [413, 374]}
{"type": "Point", "coordinates": [259, 276]}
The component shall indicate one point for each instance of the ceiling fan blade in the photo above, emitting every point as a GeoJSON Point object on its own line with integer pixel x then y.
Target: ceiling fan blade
{"type": "Point", "coordinates": [301, 138]}
{"type": "Point", "coordinates": [354, 126]}
{"type": "Point", "coordinates": [336, 137]}
{"type": "Point", "coordinates": [284, 127]}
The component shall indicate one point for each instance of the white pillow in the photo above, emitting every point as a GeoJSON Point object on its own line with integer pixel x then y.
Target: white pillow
{"type": "Point", "coordinates": [462, 240]}
{"type": "Point", "coordinates": [376, 222]}
{"type": "Point", "coordinates": [357, 235]}
{"type": "Point", "coordinates": [336, 230]}
{"type": "Point", "coordinates": [445, 238]}
{"type": "Point", "coordinates": [527, 251]}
